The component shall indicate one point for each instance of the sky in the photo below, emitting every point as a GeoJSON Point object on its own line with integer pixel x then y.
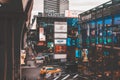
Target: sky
{"type": "Point", "coordinates": [73, 4]}
{"type": "Point", "coordinates": [82, 5]}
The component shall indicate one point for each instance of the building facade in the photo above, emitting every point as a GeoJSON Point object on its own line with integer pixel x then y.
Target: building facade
{"type": "Point", "coordinates": [100, 29]}
{"type": "Point", "coordinates": [56, 6]}
{"type": "Point", "coordinates": [64, 5]}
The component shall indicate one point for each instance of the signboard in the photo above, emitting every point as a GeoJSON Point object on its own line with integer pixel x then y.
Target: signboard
{"type": "Point", "coordinates": [42, 37]}
{"type": "Point", "coordinates": [68, 42]}
{"type": "Point", "coordinates": [60, 35]}
{"type": "Point", "coordinates": [60, 27]}
{"type": "Point", "coordinates": [108, 20]}
{"type": "Point", "coordinates": [41, 30]}
{"type": "Point", "coordinates": [53, 15]}
{"type": "Point", "coordinates": [117, 19]}
{"type": "Point", "coordinates": [60, 56]}
{"type": "Point", "coordinates": [60, 49]}
{"type": "Point", "coordinates": [22, 57]}
{"type": "Point", "coordinates": [72, 13]}
{"type": "Point", "coordinates": [100, 22]}
{"type": "Point", "coordinates": [92, 24]}
{"type": "Point", "coordinates": [41, 43]}
{"type": "Point", "coordinates": [77, 53]}
{"type": "Point", "coordinates": [50, 44]}
{"type": "Point", "coordinates": [60, 41]}
{"type": "Point", "coordinates": [85, 55]}
{"type": "Point", "coordinates": [63, 60]}
{"type": "Point", "coordinates": [49, 11]}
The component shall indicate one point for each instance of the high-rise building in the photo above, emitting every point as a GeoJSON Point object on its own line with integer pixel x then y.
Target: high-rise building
{"type": "Point", "coordinates": [64, 5]}
{"type": "Point", "coordinates": [56, 6]}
